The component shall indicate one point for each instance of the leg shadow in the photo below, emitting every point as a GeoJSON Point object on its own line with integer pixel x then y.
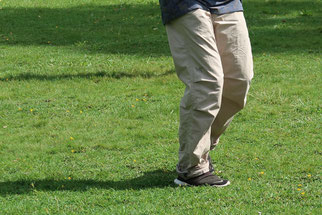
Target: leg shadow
{"type": "Point", "coordinates": [153, 179]}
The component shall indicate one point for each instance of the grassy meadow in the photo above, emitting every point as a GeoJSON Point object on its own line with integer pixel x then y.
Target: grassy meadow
{"type": "Point", "coordinates": [89, 112]}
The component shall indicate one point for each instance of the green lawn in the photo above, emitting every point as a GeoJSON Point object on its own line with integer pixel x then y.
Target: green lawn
{"type": "Point", "coordinates": [89, 112]}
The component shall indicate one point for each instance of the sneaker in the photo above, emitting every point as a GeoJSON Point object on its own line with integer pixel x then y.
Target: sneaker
{"type": "Point", "coordinates": [201, 180]}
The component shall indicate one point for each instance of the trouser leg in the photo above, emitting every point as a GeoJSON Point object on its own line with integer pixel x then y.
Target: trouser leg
{"type": "Point", "coordinates": [235, 50]}
{"type": "Point", "coordinates": [198, 64]}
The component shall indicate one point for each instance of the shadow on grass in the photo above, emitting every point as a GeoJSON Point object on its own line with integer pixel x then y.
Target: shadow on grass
{"type": "Point", "coordinates": [117, 29]}
{"type": "Point", "coordinates": [136, 29]}
{"type": "Point", "coordinates": [112, 75]}
{"type": "Point", "coordinates": [275, 26]}
{"type": "Point", "coordinates": [153, 179]}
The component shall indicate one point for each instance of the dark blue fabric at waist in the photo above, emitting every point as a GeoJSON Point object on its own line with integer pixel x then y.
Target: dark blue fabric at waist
{"type": "Point", "coordinates": [172, 9]}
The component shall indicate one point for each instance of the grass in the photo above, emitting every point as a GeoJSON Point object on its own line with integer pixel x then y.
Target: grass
{"type": "Point", "coordinates": [89, 112]}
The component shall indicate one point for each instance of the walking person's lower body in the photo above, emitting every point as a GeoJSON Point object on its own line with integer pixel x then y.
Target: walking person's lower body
{"type": "Point", "coordinates": [212, 57]}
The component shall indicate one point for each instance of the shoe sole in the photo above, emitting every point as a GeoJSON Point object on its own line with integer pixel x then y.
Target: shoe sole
{"type": "Point", "coordinates": [184, 184]}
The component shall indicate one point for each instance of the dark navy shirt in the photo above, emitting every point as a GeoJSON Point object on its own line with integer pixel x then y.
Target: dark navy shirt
{"type": "Point", "coordinates": [172, 9]}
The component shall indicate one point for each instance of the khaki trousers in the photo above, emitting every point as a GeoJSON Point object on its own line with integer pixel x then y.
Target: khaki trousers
{"type": "Point", "coordinates": [212, 57]}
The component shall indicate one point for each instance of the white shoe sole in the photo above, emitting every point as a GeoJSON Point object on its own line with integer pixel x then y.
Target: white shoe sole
{"type": "Point", "coordinates": [184, 184]}
{"type": "Point", "coordinates": [181, 183]}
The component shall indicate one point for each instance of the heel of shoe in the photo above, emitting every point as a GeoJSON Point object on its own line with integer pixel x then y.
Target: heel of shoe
{"type": "Point", "coordinates": [180, 183]}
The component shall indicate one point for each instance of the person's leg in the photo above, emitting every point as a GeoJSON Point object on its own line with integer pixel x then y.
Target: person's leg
{"type": "Point", "coordinates": [235, 51]}
{"type": "Point", "coordinates": [198, 65]}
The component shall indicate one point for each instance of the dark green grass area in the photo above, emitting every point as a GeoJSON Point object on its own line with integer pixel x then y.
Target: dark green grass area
{"type": "Point", "coordinates": [110, 28]}
{"type": "Point", "coordinates": [89, 112]}
{"type": "Point", "coordinates": [134, 28]}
